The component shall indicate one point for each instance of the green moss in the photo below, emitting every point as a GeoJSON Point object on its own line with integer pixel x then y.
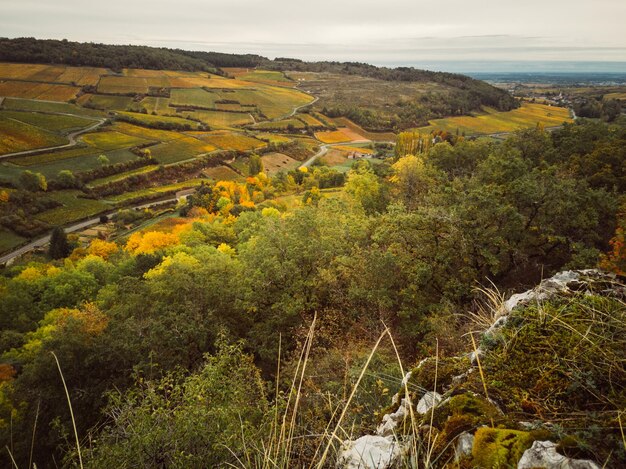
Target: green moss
{"type": "Point", "coordinates": [463, 411]}
{"type": "Point", "coordinates": [499, 448]}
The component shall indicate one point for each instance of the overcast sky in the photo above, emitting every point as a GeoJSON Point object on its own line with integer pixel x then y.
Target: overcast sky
{"type": "Point", "coordinates": [387, 32]}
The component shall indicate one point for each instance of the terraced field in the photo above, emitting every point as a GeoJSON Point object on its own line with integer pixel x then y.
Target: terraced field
{"type": "Point", "coordinates": [280, 125]}
{"type": "Point", "coordinates": [51, 122]}
{"type": "Point", "coordinates": [222, 173]}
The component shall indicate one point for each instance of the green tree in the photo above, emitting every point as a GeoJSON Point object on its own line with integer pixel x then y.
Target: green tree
{"type": "Point", "coordinates": [103, 160]}
{"type": "Point", "coordinates": [66, 179]}
{"type": "Point", "coordinates": [33, 182]}
{"type": "Point", "coordinates": [59, 245]}
{"type": "Point", "coordinates": [255, 166]}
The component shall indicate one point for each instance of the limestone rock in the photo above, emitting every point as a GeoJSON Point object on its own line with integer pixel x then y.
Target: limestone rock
{"type": "Point", "coordinates": [428, 401]}
{"type": "Point", "coordinates": [370, 452]}
{"type": "Point", "coordinates": [464, 444]}
{"type": "Point", "coordinates": [391, 421]}
{"type": "Point", "coordinates": [542, 454]}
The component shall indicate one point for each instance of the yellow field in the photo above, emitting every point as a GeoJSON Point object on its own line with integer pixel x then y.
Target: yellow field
{"type": "Point", "coordinates": [122, 85]}
{"type": "Point", "coordinates": [492, 122]}
{"type": "Point", "coordinates": [274, 138]}
{"type": "Point", "coordinates": [181, 149]}
{"type": "Point", "coordinates": [19, 136]}
{"type": "Point", "coordinates": [52, 73]}
{"type": "Point", "coordinates": [310, 120]}
{"type": "Point", "coordinates": [44, 91]}
{"type": "Point", "coordinates": [111, 140]}
{"type": "Point", "coordinates": [620, 96]}
{"type": "Point", "coordinates": [375, 136]}
{"type": "Point", "coordinates": [341, 135]}
{"type": "Point", "coordinates": [220, 119]}
{"type": "Point", "coordinates": [350, 149]}
{"type": "Point", "coordinates": [143, 132]}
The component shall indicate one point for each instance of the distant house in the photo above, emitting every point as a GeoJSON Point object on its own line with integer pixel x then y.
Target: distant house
{"type": "Point", "coordinates": [357, 155]}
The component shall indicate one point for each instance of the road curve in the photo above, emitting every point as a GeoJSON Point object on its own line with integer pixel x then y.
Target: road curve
{"type": "Point", "coordinates": [71, 137]}
{"type": "Point", "coordinates": [70, 229]}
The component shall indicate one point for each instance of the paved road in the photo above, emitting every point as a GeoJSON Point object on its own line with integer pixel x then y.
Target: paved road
{"type": "Point", "coordinates": [71, 137]}
{"type": "Point", "coordinates": [321, 152]}
{"type": "Point", "coordinates": [70, 229]}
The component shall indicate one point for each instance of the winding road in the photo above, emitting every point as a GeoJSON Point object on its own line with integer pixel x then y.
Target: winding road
{"type": "Point", "coordinates": [71, 137]}
{"type": "Point", "coordinates": [72, 228]}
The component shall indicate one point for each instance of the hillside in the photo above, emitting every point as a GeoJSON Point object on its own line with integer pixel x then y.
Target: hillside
{"type": "Point", "coordinates": [272, 317]}
{"type": "Point", "coordinates": [345, 89]}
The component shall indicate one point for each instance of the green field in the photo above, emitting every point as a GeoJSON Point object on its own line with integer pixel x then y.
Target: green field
{"type": "Point", "coordinates": [154, 191]}
{"type": "Point", "coordinates": [74, 208]}
{"type": "Point", "coordinates": [113, 102]}
{"type": "Point", "coordinates": [9, 171]}
{"type": "Point", "coordinates": [193, 97]}
{"type": "Point", "coordinates": [280, 125]}
{"type": "Point", "coordinates": [122, 85]}
{"type": "Point", "coordinates": [47, 106]}
{"type": "Point", "coordinates": [122, 176]}
{"type": "Point", "coordinates": [9, 240]}
{"type": "Point", "coordinates": [181, 149]}
{"type": "Point", "coordinates": [150, 120]}
{"type": "Point", "coordinates": [220, 120]}
{"type": "Point", "coordinates": [111, 140]}
{"type": "Point", "coordinates": [51, 122]}
{"type": "Point", "coordinates": [44, 158]}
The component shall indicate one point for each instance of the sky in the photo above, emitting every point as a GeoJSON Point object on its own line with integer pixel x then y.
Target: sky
{"type": "Point", "coordinates": [382, 32]}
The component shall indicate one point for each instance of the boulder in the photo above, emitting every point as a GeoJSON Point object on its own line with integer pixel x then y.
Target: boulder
{"type": "Point", "coordinates": [542, 454]}
{"type": "Point", "coordinates": [370, 452]}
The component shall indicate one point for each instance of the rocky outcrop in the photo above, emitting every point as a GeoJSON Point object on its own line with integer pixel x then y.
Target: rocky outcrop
{"type": "Point", "coordinates": [470, 426]}
{"type": "Point", "coordinates": [542, 454]}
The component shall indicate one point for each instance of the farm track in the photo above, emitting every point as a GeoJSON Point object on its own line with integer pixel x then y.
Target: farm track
{"type": "Point", "coordinates": [71, 137]}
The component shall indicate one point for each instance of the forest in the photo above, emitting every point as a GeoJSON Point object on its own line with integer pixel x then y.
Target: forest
{"type": "Point", "coordinates": [184, 344]}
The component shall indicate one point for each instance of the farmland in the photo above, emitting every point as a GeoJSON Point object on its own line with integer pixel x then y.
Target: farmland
{"type": "Point", "coordinates": [276, 162]}
{"type": "Point", "coordinates": [175, 117]}
{"type": "Point", "coordinates": [341, 135]}
{"type": "Point", "coordinates": [18, 136]}
{"type": "Point", "coordinates": [493, 122]}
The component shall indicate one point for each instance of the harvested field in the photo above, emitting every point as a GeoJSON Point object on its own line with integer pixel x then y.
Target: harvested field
{"type": "Point", "coordinates": [276, 162]}
{"type": "Point", "coordinates": [222, 173]}
{"type": "Point", "coordinates": [374, 136]}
